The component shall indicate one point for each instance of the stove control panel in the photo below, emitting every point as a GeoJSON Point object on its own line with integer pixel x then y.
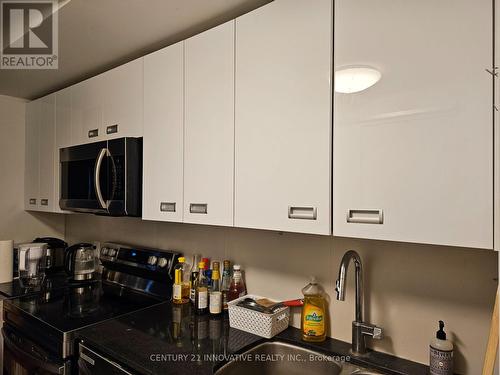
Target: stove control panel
{"type": "Point", "coordinates": [113, 255]}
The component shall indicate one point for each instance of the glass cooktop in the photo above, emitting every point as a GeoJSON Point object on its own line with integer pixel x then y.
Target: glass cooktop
{"type": "Point", "coordinates": [77, 306]}
{"type": "Point", "coordinates": [14, 288]}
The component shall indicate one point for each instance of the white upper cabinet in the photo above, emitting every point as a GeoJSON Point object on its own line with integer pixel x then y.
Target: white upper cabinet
{"type": "Point", "coordinates": [31, 169]}
{"type": "Point", "coordinates": [86, 111]}
{"type": "Point", "coordinates": [46, 152]}
{"type": "Point", "coordinates": [109, 105]}
{"type": "Point", "coordinates": [163, 134]}
{"type": "Point", "coordinates": [413, 154]}
{"type": "Point", "coordinates": [209, 126]}
{"type": "Point", "coordinates": [283, 117]}
{"type": "Point", "coordinates": [123, 100]}
{"type": "Point", "coordinates": [40, 145]}
{"type": "Point", "coordinates": [62, 137]}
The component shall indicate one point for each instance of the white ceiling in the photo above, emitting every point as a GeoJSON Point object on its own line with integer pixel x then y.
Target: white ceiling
{"type": "Point", "coordinates": [97, 35]}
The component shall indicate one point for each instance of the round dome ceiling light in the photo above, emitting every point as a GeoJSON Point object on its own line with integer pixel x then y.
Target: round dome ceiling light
{"type": "Point", "coordinates": [355, 79]}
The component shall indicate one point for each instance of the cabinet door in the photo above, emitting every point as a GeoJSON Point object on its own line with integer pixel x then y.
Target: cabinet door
{"type": "Point", "coordinates": [123, 100]}
{"type": "Point", "coordinates": [283, 117]}
{"type": "Point", "coordinates": [46, 152]}
{"type": "Point", "coordinates": [163, 134]}
{"type": "Point", "coordinates": [31, 170]}
{"type": "Point", "coordinates": [86, 111]}
{"type": "Point", "coordinates": [62, 137]}
{"type": "Point", "coordinates": [209, 126]}
{"type": "Point", "coordinates": [497, 129]}
{"type": "Point", "coordinates": [413, 153]}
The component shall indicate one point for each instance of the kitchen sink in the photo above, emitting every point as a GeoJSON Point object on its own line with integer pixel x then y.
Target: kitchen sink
{"type": "Point", "coordinates": [276, 358]}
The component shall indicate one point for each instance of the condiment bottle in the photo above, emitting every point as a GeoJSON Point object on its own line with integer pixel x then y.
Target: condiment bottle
{"type": "Point", "coordinates": [215, 294]}
{"type": "Point", "coordinates": [226, 283]}
{"type": "Point", "coordinates": [201, 292]}
{"type": "Point", "coordinates": [193, 281]}
{"type": "Point", "coordinates": [181, 286]}
{"type": "Point", "coordinates": [237, 288]}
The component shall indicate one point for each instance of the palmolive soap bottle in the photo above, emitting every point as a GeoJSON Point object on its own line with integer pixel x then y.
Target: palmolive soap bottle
{"type": "Point", "coordinates": [441, 353]}
{"type": "Point", "coordinates": [313, 322]}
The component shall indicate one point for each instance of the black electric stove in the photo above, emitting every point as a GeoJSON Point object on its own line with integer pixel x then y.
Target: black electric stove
{"type": "Point", "coordinates": [40, 328]}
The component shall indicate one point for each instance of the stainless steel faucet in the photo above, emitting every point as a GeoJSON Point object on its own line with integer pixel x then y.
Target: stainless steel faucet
{"type": "Point", "coordinates": [360, 329]}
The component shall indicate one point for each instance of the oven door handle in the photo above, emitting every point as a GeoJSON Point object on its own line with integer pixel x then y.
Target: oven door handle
{"type": "Point", "coordinates": [40, 363]}
{"type": "Point", "coordinates": [104, 152]}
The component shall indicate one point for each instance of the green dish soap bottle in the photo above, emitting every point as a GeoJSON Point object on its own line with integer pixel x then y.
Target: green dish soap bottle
{"type": "Point", "coordinates": [313, 322]}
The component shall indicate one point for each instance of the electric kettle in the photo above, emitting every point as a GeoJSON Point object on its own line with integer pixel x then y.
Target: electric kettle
{"type": "Point", "coordinates": [32, 263]}
{"type": "Point", "coordinates": [80, 261]}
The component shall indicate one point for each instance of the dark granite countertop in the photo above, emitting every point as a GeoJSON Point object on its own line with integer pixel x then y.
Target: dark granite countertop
{"type": "Point", "coordinates": [168, 338]}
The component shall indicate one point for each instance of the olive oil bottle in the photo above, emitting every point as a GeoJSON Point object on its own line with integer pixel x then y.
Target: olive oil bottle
{"type": "Point", "coordinates": [313, 322]}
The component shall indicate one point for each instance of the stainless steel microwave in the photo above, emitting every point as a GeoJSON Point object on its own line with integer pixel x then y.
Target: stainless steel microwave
{"type": "Point", "coordinates": [102, 177]}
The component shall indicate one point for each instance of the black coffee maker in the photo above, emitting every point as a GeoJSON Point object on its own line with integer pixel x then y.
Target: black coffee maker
{"type": "Point", "coordinates": [56, 249]}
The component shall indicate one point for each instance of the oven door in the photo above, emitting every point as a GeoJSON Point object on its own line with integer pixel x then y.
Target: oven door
{"type": "Point", "coordinates": [90, 363]}
{"type": "Point", "coordinates": [22, 356]}
{"type": "Point", "coordinates": [85, 179]}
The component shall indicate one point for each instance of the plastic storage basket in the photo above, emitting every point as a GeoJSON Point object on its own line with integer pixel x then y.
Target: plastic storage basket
{"type": "Point", "coordinates": [258, 323]}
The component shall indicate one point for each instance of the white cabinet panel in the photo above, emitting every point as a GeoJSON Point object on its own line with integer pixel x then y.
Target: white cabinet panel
{"type": "Point", "coordinates": [163, 134]}
{"type": "Point", "coordinates": [209, 127]}
{"type": "Point", "coordinates": [497, 131]}
{"type": "Point", "coordinates": [62, 137]}
{"type": "Point", "coordinates": [283, 117]}
{"type": "Point", "coordinates": [39, 163]}
{"type": "Point", "coordinates": [123, 100]}
{"type": "Point", "coordinates": [86, 111]}
{"type": "Point", "coordinates": [418, 144]}
{"type": "Point", "coordinates": [31, 170]}
{"type": "Point", "coordinates": [46, 152]}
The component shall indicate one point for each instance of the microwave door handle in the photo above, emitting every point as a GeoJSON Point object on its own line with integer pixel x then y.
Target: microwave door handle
{"type": "Point", "coordinates": [98, 165]}
{"type": "Point", "coordinates": [113, 178]}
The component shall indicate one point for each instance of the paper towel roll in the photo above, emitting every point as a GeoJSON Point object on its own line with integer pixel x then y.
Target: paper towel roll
{"type": "Point", "coordinates": [6, 260]}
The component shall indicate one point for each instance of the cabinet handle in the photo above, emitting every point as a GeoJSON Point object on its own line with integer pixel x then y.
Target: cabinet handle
{"type": "Point", "coordinates": [304, 213]}
{"type": "Point", "coordinates": [93, 133]}
{"type": "Point", "coordinates": [32, 200]}
{"type": "Point", "coordinates": [365, 216]}
{"type": "Point", "coordinates": [44, 202]}
{"type": "Point", "coordinates": [167, 206]}
{"type": "Point", "coordinates": [198, 208]}
{"type": "Point", "coordinates": [112, 129]}
{"type": "Point", "coordinates": [87, 359]}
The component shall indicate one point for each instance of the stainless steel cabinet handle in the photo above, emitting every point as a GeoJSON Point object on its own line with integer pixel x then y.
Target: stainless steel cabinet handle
{"type": "Point", "coordinates": [93, 133]}
{"type": "Point", "coordinates": [167, 206]}
{"type": "Point", "coordinates": [44, 202]}
{"type": "Point", "coordinates": [365, 216]}
{"type": "Point", "coordinates": [112, 129]}
{"type": "Point", "coordinates": [98, 164]}
{"type": "Point", "coordinates": [198, 208]}
{"type": "Point", "coordinates": [304, 213]}
{"type": "Point", "coordinates": [32, 200]}
{"type": "Point", "coordinates": [87, 359]}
